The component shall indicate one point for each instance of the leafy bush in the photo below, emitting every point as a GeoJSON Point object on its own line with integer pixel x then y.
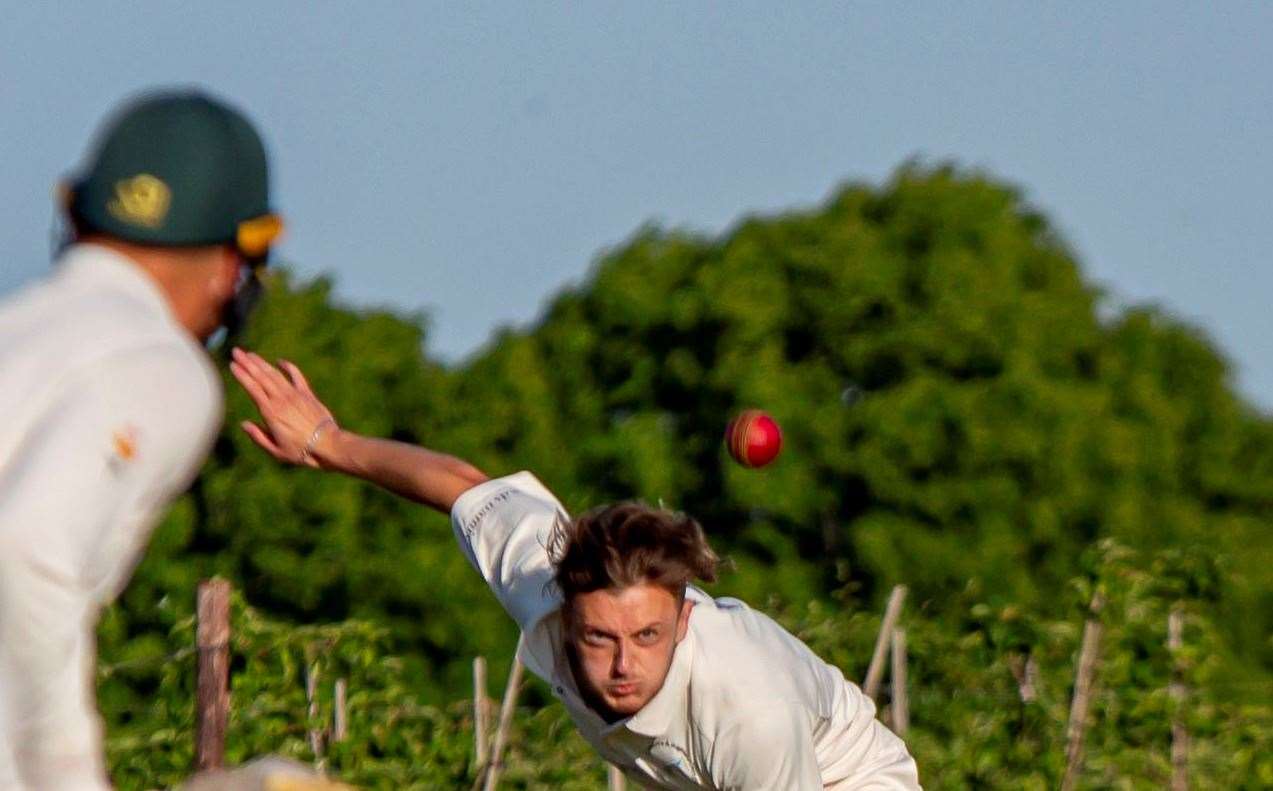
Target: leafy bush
{"type": "Point", "coordinates": [973, 724]}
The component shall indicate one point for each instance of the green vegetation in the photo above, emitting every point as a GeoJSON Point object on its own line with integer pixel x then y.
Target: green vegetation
{"type": "Point", "coordinates": [958, 417]}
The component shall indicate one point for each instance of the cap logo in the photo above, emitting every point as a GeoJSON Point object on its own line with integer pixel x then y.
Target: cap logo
{"type": "Point", "coordinates": [141, 200]}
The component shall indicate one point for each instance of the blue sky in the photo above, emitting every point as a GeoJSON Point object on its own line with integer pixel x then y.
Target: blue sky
{"type": "Point", "coordinates": [470, 160]}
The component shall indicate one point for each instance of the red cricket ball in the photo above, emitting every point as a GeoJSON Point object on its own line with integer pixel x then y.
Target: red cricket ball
{"type": "Point", "coordinates": [753, 438]}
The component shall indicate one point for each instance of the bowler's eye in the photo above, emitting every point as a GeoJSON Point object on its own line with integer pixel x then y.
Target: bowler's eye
{"type": "Point", "coordinates": [592, 637]}
{"type": "Point", "coordinates": [648, 635]}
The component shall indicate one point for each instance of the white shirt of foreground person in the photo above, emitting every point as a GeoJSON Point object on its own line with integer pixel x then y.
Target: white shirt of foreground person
{"type": "Point", "coordinates": [745, 707]}
{"type": "Point", "coordinates": [109, 408]}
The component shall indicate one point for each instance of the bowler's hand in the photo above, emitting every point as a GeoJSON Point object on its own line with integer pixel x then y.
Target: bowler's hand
{"type": "Point", "coordinates": [294, 420]}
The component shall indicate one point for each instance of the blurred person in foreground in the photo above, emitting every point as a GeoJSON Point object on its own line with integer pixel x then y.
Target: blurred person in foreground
{"type": "Point", "coordinates": [679, 690]}
{"type": "Point", "coordinates": [111, 402]}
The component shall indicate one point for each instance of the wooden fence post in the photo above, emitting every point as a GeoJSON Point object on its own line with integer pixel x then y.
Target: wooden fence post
{"type": "Point", "coordinates": [1026, 672]}
{"type": "Point", "coordinates": [212, 640]}
{"type": "Point", "coordinates": [505, 724]}
{"type": "Point", "coordinates": [901, 710]}
{"type": "Point", "coordinates": [1179, 736]}
{"type": "Point", "coordinates": [311, 698]}
{"type": "Point", "coordinates": [479, 712]}
{"type": "Point", "coordinates": [340, 720]}
{"type": "Point", "coordinates": [1088, 655]}
{"type": "Point", "coordinates": [871, 686]}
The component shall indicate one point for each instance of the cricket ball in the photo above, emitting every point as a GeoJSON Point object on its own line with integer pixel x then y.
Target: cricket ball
{"type": "Point", "coordinates": [753, 438]}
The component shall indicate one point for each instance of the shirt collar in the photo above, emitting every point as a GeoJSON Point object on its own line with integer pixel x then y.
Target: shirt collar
{"type": "Point", "coordinates": [101, 265]}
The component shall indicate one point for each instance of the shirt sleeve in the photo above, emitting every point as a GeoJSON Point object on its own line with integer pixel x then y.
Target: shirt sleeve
{"type": "Point", "coordinates": [765, 749]}
{"type": "Point", "coordinates": [885, 763]}
{"type": "Point", "coordinates": [505, 526]}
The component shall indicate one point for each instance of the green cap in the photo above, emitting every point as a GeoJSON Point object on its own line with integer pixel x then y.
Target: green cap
{"type": "Point", "coordinates": [178, 169]}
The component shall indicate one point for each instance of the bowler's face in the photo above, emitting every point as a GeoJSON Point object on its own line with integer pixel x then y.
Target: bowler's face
{"type": "Point", "coordinates": [622, 641]}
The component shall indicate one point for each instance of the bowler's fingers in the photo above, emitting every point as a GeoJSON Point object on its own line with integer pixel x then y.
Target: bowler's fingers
{"type": "Point", "coordinates": [254, 389]}
{"type": "Point", "coordinates": [247, 369]}
{"type": "Point", "coordinates": [273, 381]}
{"type": "Point", "coordinates": [298, 378]}
{"type": "Point", "coordinates": [264, 440]}
{"type": "Point", "coordinates": [267, 378]}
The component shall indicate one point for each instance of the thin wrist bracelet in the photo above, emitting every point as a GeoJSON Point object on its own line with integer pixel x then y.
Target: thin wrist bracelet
{"type": "Point", "coordinates": [306, 454]}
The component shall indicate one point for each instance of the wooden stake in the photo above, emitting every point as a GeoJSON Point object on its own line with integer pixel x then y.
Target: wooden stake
{"type": "Point", "coordinates": [901, 710]}
{"type": "Point", "coordinates": [1088, 656]}
{"type": "Point", "coordinates": [1179, 736]}
{"type": "Point", "coordinates": [480, 712]}
{"type": "Point", "coordinates": [212, 639]}
{"type": "Point", "coordinates": [1026, 672]}
{"type": "Point", "coordinates": [311, 697]}
{"type": "Point", "coordinates": [505, 723]}
{"type": "Point", "coordinates": [875, 671]}
{"type": "Point", "coordinates": [615, 779]}
{"type": "Point", "coordinates": [340, 720]}
{"type": "Point", "coordinates": [1032, 680]}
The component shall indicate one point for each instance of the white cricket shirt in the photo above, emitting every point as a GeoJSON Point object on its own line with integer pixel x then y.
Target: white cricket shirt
{"type": "Point", "coordinates": [107, 409]}
{"type": "Point", "coordinates": [745, 706]}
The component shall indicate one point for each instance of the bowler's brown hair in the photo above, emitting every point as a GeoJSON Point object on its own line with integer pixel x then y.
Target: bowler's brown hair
{"type": "Point", "coordinates": [626, 544]}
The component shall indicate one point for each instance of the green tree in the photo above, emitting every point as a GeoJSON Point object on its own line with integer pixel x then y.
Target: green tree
{"type": "Point", "coordinates": [957, 416]}
{"type": "Point", "coordinates": [954, 406]}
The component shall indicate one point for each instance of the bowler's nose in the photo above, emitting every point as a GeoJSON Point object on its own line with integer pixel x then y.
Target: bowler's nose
{"type": "Point", "coordinates": [620, 666]}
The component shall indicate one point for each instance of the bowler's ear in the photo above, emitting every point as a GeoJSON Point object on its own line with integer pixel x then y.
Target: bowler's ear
{"type": "Point", "coordinates": [683, 620]}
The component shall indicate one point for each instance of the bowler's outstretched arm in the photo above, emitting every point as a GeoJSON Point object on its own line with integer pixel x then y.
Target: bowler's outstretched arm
{"type": "Point", "coordinates": [297, 428]}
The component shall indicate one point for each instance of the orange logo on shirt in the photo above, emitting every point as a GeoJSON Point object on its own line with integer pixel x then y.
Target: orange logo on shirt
{"type": "Point", "coordinates": [124, 443]}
